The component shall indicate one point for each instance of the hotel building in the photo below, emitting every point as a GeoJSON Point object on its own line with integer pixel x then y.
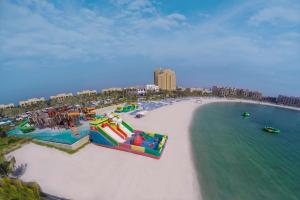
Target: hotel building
{"type": "Point", "coordinates": [200, 90]}
{"type": "Point", "coordinates": [87, 92]}
{"type": "Point", "coordinates": [236, 92]}
{"type": "Point", "coordinates": [290, 101]}
{"type": "Point", "coordinates": [61, 97]}
{"type": "Point", "coordinates": [112, 90]}
{"type": "Point", "coordinates": [32, 101]}
{"type": "Point", "coordinates": [4, 106]}
{"type": "Point", "coordinates": [152, 87]}
{"type": "Point", "coordinates": [165, 79]}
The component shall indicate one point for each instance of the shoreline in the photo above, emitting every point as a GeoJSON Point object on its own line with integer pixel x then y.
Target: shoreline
{"type": "Point", "coordinates": [110, 174]}
{"type": "Point", "coordinates": [206, 101]}
{"type": "Point", "coordinates": [236, 100]}
{"type": "Point", "coordinates": [100, 173]}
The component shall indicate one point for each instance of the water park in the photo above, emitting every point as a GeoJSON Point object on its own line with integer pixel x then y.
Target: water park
{"type": "Point", "coordinates": [71, 128]}
{"type": "Point", "coordinates": [112, 132]}
{"type": "Point", "coordinates": [62, 127]}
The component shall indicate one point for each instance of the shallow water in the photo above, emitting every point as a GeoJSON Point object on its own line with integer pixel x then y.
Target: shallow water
{"type": "Point", "coordinates": [64, 136]}
{"type": "Point", "coordinates": [235, 159]}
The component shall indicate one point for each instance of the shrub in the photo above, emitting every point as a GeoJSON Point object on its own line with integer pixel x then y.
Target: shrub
{"type": "Point", "coordinates": [15, 189]}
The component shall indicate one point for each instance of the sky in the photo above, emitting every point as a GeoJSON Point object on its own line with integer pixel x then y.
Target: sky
{"type": "Point", "coordinates": [49, 47]}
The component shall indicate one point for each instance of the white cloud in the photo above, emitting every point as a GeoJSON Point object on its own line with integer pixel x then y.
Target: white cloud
{"type": "Point", "coordinates": [276, 16]}
{"type": "Point", "coordinates": [36, 30]}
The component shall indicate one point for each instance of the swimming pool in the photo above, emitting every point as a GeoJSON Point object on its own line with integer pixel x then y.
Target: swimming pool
{"type": "Point", "coordinates": [152, 105]}
{"type": "Point", "coordinates": [64, 136]}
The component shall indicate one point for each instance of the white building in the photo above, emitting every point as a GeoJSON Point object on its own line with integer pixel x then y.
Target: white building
{"type": "Point", "coordinates": [202, 90]}
{"type": "Point", "coordinates": [32, 101]}
{"type": "Point", "coordinates": [4, 106]}
{"type": "Point", "coordinates": [112, 90]}
{"type": "Point", "coordinates": [61, 96]}
{"type": "Point", "coordinates": [138, 90]}
{"type": "Point", "coordinates": [87, 92]}
{"type": "Point", "coordinates": [152, 87]}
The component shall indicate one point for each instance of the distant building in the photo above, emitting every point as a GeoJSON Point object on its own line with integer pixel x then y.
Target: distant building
{"type": "Point", "coordinates": [5, 106]}
{"type": "Point", "coordinates": [137, 90]}
{"type": "Point", "coordinates": [200, 90]}
{"type": "Point", "coordinates": [270, 99]}
{"type": "Point", "coordinates": [32, 101]}
{"type": "Point", "coordinates": [112, 90]}
{"type": "Point", "coordinates": [87, 92]}
{"type": "Point", "coordinates": [165, 79]}
{"type": "Point", "coordinates": [180, 88]}
{"type": "Point", "coordinates": [152, 87]}
{"type": "Point", "coordinates": [236, 92]}
{"type": "Point", "coordinates": [61, 97]}
{"type": "Point", "coordinates": [290, 101]}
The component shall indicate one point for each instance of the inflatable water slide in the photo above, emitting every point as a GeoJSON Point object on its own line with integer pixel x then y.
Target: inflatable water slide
{"type": "Point", "coordinates": [127, 108]}
{"type": "Point", "coordinates": [112, 132]}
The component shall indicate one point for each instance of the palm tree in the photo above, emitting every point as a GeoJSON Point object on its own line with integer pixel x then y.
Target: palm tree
{"type": "Point", "coordinates": [6, 166]}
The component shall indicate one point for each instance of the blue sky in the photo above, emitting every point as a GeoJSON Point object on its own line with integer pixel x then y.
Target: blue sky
{"type": "Point", "coordinates": [47, 47]}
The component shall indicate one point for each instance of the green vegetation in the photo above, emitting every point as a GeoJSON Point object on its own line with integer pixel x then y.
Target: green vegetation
{"type": "Point", "coordinates": [8, 144]}
{"type": "Point", "coordinates": [6, 166]}
{"type": "Point", "coordinates": [13, 112]}
{"type": "Point", "coordinates": [105, 99]}
{"type": "Point", "coordinates": [14, 189]}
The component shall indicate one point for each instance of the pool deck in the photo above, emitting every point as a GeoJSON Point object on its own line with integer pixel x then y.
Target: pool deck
{"type": "Point", "coordinates": [76, 145]}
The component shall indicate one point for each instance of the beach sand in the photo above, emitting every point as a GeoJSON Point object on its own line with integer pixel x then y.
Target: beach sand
{"type": "Point", "coordinates": [101, 173]}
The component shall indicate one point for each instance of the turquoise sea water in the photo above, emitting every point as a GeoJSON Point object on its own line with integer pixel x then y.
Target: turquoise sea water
{"type": "Point", "coordinates": [64, 136]}
{"type": "Point", "coordinates": [236, 160]}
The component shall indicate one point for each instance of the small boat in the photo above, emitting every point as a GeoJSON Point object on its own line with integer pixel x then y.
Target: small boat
{"type": "Point", "coordinates": [271, 129]}
{"type": "Point", "coordinates": [246, 114]}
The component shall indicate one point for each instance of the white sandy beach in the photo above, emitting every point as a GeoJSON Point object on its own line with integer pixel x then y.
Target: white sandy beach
{"type": "Point", "coordinates": [100, 173]}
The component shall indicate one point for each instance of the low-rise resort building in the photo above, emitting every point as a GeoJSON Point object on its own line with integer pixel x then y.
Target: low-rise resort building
{"type": "Point", "coordinates": [61, 97]}
{"type": "Point", "coordinates": [87, 92]}
{"type": "Point", "coordinates": [32, 101]}
{"type": "Point", "coordinates": [5, 106]}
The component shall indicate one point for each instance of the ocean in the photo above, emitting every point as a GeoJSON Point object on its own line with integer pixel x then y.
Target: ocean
{"type": "Point", "coordinates": [237, 160]}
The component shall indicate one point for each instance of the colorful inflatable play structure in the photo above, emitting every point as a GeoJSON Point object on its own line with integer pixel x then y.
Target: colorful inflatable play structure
{"type": "Point", "coordinates": [112, 132]}
{"type": "Point", "coordinates": [127, 108]}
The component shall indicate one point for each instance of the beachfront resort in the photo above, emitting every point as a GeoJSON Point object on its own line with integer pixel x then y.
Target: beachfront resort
{"type": "Point", "coordinates": [120, 150]}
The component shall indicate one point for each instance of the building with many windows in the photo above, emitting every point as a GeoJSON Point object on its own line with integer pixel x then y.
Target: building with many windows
{"type": "Point", "coordinates": [32, 101]}
{"type": "Point", "coordinates": [200, 90]}
{"type": "Point", "coordinates": [87, 92]}
{"type": "Point", "coordinates": [61, 97]}
{"type": "Point", "coordinates": [236, 92]}
{"type": "Point", "coordinates": [112, 90]}
{"type": "Point", "coordinates": [135, 90]}
{"type": "Point", "coordinates": [5, 106]}
{"type": "Point", "coordinates": [290, 101]}
{"type": "Point", "coordinates": [152, 88]}
{"type": "Point", "coordinates": [165, 79]}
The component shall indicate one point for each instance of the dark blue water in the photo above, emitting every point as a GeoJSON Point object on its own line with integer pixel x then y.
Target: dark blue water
{"type": "Point", "coordinates": [236, 159]}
